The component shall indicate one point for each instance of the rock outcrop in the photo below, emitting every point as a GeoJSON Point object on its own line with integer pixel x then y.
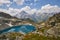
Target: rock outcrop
{"type": "Point", "coordinates": [54, 24]}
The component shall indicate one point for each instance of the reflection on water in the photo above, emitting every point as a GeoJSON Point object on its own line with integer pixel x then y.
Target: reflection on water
{"type": "Point", "coordinates": [21, 28]}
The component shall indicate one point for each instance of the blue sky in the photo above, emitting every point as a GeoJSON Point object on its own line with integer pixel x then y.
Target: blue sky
{"type": "Point", "coordinates": [32, 3]}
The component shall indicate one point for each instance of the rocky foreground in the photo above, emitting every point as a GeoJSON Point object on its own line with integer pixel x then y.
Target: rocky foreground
{"type": "Point", "coordinates": [47, 30]}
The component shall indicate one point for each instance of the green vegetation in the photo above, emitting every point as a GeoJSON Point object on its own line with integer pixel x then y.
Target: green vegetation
{"type": "Point", "coordinates": [39, 37]}
{"type": "Point", "coordinates": [11, 36]}
{"type": "Point", "coordinates": [30, 36]}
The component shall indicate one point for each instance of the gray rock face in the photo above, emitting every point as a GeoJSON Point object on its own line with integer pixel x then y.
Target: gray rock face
{"type": "Point", "coordinates": [4, 20]}
{"type": "Point", "coordinates": [54, 24]}
{"type": "Point", "coordinates": [2, 14]}
{"type": "Point", "coordinates": [7, 21]}
{"type": "Point", "coordinates": [54, 31]}
{"type": "Point", "coordinates": [3, 26]}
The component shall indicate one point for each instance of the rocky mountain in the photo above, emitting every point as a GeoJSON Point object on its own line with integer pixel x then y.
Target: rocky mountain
{"type": "Point", "coordinates": [7, 21]}
{"type": "Point", "coordinates": [5, 15]}
{"type": "Point", "coordinates": [54, 20]}
{"type": "Point", "coordinates": [22, 15]}
{"type": "Point", "coordinates": [52, 26]}
{"type": "Point", "coordinates": [37, 16]}
{"type": "Point", "coordinates": [54, 23]}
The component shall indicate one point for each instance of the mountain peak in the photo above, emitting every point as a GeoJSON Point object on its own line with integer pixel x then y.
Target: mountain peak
{"type": "Point", "coordinates": [23, 15]}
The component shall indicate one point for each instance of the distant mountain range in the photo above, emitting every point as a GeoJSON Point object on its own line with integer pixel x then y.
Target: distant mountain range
{"type": "Point", "coordinates": [24, 17]}
{"type": "Point", "coordinates": [37, 17]}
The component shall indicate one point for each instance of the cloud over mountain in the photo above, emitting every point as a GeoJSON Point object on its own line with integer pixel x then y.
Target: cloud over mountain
{"type": "Point", "coordinates": [50, 9]}
{"type": "Point", "coordinates": [37, 15]}
{"type": "Point", "coordinates": [46, 11]}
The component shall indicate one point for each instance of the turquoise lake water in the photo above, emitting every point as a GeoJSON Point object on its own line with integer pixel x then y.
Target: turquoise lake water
{"type": "Point", "coordinates": [20, 28]}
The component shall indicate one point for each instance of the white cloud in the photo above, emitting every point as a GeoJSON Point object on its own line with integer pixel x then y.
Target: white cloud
{"type": "Point", "coordinates": [35, 0]}
{"type": "Point", "coordinates": [7, 2]}
{"type": "Point", "coordinates": [26, 8]}
{"type": "Point", "coordinates": [33, 11]}
{"type": "Point", "coordinates": [44, 9]}
{"type": "Point", "coordinates": [10, 11]}
{"type": "Point", "coordinates": [4, 1]}
{"type": "Point", "coordinates": [29, 10]}
{"type": "Point", "coordinates": [13, 11]}
{"type": "Point", "coordinates": [50, 9]}
{"type": "Point", "coordinates": [31, 3]}
{"type": "Point", "coordinates": [19, 2]}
